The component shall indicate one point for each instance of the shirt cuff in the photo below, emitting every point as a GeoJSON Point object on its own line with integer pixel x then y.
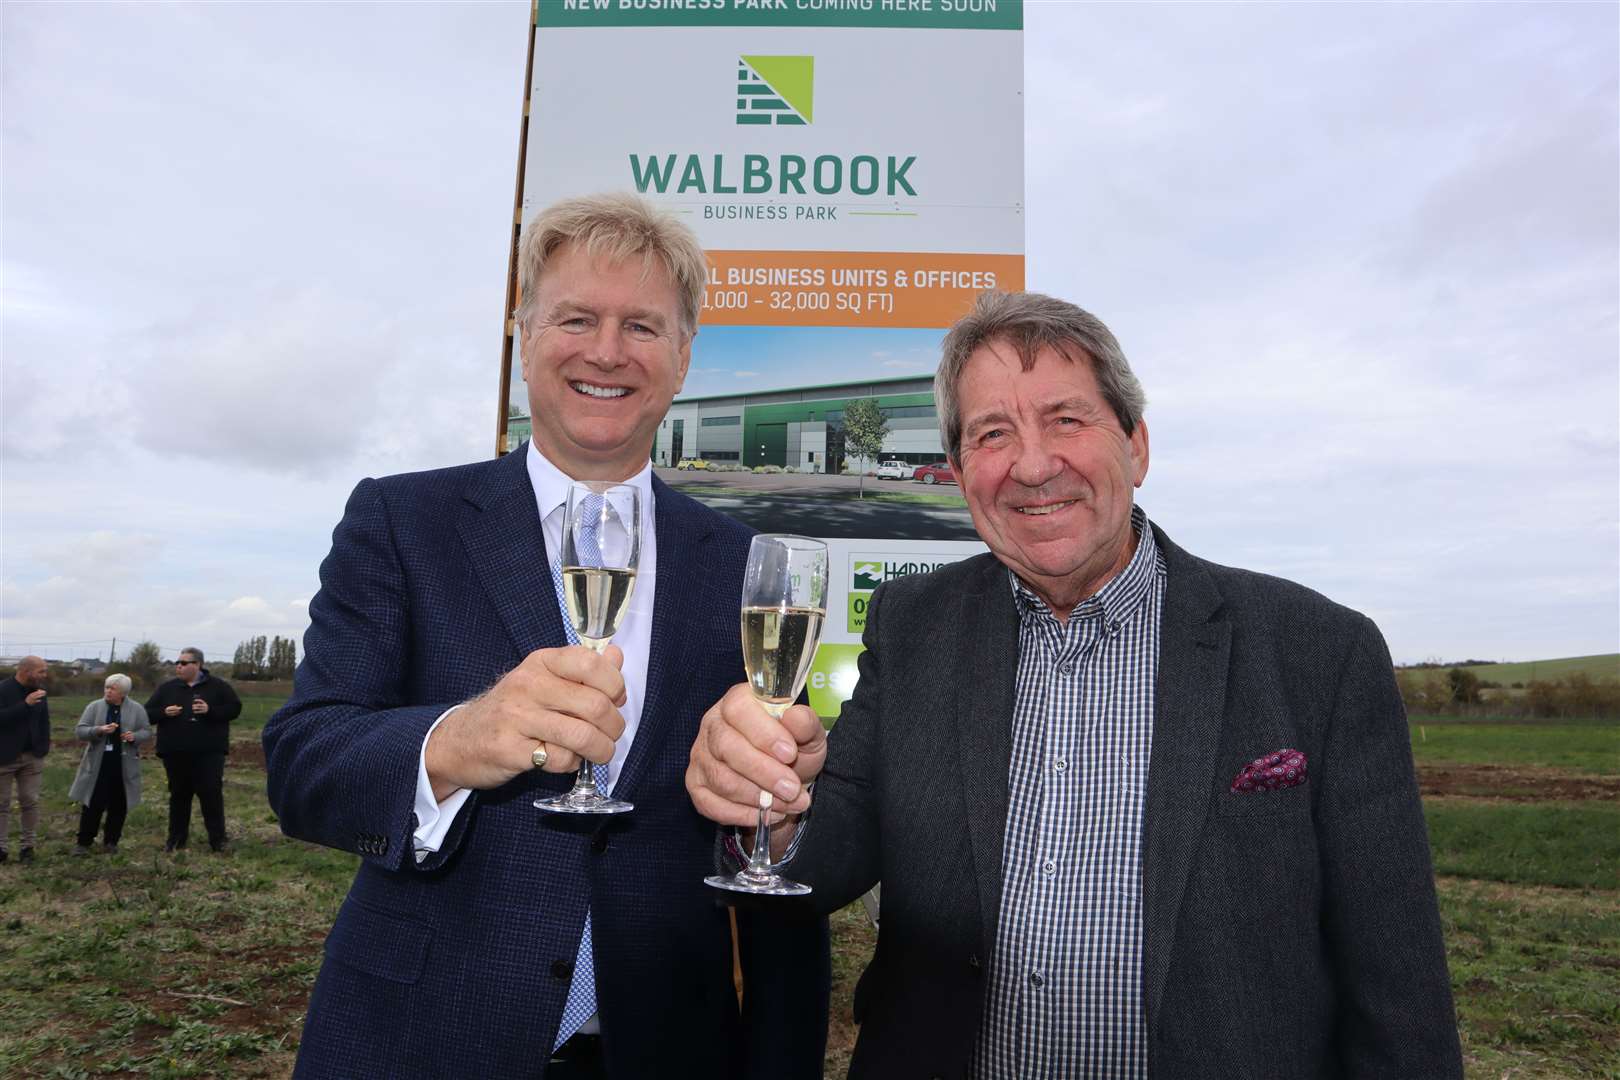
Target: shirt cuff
{"type": "Point", "coordinates": [433, 818]}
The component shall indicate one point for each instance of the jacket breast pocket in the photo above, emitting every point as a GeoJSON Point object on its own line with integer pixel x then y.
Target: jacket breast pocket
{"type": "Point", "coordinates": [1294, 800]}
{"type": "Point", "coordinates": [379, 943]}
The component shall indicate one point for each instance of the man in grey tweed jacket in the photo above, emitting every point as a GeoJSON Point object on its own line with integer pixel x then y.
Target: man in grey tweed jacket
{"type": "Point", "coordinates": [1135, 814]}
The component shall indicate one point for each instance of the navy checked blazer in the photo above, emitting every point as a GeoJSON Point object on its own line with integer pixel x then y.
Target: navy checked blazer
{"type": "Point", "coordinates": [1285, 934]}
{"type": "Point", "coordinates": [437, 584]}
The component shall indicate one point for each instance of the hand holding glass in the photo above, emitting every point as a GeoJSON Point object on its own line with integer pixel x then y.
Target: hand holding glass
{"type": "Point", "coordinates": [601, 545]}
{"type": "Point", "coordinates": [784, 601]}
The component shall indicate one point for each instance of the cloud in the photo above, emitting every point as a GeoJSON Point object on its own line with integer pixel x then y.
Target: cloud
{"type": "Point", "coordinates": [1363, 257]}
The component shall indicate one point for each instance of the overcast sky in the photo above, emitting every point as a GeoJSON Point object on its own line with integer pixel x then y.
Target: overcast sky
{"type": "Point", "coordinates": [1364, 257]}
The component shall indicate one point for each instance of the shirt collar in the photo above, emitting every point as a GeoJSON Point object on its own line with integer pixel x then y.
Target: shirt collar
{"type": "Point", "coordinates": [551, 486]}
{"type": "Point", "coordinates": [1115, 600]}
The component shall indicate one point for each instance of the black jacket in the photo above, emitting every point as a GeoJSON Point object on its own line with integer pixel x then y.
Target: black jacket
{"type": "Point", "coordinates": [22, 726]}
{"type": "Point", "coordinates": [206, 733]}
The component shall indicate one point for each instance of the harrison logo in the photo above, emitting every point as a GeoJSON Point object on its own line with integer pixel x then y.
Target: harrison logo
{"type": "Point", "coordinates": [775, 89]}
{"type": "Point", "coordinates": [867, 572]}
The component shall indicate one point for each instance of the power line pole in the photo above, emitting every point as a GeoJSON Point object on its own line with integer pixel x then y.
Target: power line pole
{"type": "Point", "coordinates": [112, 654]}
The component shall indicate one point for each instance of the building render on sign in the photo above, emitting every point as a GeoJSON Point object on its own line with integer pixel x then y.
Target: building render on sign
{"type": "Point", "coordinates": [801, 429]}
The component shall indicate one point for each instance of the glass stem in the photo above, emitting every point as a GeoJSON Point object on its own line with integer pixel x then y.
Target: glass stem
{"type": "Point", "coordinates": [585, 781]}
{"type": "Point", "coordinates": [759, 860]}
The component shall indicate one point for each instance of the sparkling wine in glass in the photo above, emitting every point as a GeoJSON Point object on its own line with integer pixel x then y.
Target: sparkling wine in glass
{"type": "Point", "coordinates": [601, 545]}
{"type": "Point", "coordinates": [784, 602]}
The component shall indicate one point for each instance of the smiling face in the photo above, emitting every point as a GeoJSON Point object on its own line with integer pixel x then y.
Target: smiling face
{"type": "Point", "coordinates": [1048, 471]}
{"type": "Point", "coordinates": [603, 355]}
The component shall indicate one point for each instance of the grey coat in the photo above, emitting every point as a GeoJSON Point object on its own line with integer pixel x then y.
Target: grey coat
{"type": "Point", "coordinates": [1290, 934]}
{"type": "Point", "coordinates": [133, 718]}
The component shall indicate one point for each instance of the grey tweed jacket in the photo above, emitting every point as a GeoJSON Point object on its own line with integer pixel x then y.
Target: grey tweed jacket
{"type": "Point", "coordinates": [1291, 933]}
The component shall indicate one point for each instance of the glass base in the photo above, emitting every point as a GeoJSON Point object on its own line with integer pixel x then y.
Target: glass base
{"type": "Point", "coordinates": [576, 802]}
{"type": "Point", "coordinates": [758, 884]}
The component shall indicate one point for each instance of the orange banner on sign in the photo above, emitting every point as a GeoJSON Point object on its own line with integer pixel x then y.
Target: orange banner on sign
{"type": "Point", "coordinates": [850, 288]}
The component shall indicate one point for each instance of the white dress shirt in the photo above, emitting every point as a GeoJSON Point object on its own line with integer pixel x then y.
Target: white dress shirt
{"type": "Point", "coordinates": [634, 637]}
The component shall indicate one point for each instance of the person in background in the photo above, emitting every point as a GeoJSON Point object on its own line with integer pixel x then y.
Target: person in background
{"type": "Point", "coordinates": [109, 776]}
{"type": "Point", "coordinates": [25, 739]}
{"type": "Point", "coordinates": [193, 713]}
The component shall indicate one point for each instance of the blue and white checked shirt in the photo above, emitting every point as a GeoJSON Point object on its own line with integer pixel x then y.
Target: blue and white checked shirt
{"type": "Point", "coordinates": [1065, 992]}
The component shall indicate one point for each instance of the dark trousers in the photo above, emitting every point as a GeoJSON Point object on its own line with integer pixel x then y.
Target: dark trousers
{"type": "Point", "coordinates": [202, 775]}
{"type": "Point", "coordinates": [109, 797]}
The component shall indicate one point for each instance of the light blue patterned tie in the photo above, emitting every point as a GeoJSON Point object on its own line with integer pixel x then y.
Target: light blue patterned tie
{"type": "Point", "coordinates": [581, 1003]}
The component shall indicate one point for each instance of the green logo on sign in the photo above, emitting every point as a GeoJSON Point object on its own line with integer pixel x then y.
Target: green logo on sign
{"type": "Point", "coordinates": [865, 575]}
{"type": "Point", "coordinates": [775, 89]}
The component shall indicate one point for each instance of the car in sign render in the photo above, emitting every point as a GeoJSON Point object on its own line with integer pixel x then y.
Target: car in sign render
{"type": "Point", "coordinates": [893, 470]}
{"type": "Point", "coordinates": [937, 473]}
{"type": "Point", "coordinates": [691, 463]}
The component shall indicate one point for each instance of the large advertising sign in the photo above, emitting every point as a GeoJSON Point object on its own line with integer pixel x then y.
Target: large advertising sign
{"type": "Point", "coordinates": [854, 169]}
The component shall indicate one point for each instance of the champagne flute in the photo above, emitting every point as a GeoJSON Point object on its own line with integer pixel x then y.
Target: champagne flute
{"type": "Point", "coordinates": [784, 602]}
{"type": "Point", "coordinates": [601, 544]}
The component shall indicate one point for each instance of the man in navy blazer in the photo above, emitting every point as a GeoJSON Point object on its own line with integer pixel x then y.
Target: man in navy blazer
{"type": "Point", "coordinates": [438, 697]}
{"type": "Point", "coordinates": [1135, 814]}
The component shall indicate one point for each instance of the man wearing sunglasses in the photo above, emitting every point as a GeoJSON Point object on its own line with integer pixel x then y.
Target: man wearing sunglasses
{"type": "Point", "coordinates": [193, 713]}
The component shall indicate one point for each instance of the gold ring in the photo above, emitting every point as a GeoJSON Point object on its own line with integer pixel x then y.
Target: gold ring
{"type": "Point", "coordinates": [540, 755]}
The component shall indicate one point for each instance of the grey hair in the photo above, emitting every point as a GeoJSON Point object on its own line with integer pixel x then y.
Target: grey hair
{"type": "Point", "coordinates": [615, 227]}
{"type": "Point", "coordinates": [189, 651]}
{"type": "Point", "coordinates": [120, 680]}
{"type": "Point", "coordinates": [1030, 322]}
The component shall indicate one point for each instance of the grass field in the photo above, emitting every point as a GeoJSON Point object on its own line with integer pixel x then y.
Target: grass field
{"type": "Point", "coordinates": [1581, 747]}
{"type": "Point", "coordinates": [1599, 666]}
{"type": "Point", "coordinates": [197, 965]}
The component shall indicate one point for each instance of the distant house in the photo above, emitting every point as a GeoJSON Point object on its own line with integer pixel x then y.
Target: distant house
{"type": "Point", "coordinates": [90, 665]}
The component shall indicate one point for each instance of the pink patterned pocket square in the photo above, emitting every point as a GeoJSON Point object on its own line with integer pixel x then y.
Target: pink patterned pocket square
{"type": "Point", "coordinates": [1277, 770]}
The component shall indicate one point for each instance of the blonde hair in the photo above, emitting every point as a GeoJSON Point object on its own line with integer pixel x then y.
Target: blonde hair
{"type": "Point", "coordinates": [615, 227]}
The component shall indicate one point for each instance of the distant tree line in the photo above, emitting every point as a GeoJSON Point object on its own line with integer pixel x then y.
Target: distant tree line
{"type": "Point", "coordinates": [1460, 692]}
{"type": "Point", "coordinates": [259, 658]}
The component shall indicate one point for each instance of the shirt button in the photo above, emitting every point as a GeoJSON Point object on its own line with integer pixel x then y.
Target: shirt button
{"type": "Point", "coordinates": [1060, 764]}
{"type": "Point", "coordinates": [1037, 980]}
{"type": "Point", "coordinates": [1048, 867]}
{"type": "Point", "coordinates": [1066, 668]}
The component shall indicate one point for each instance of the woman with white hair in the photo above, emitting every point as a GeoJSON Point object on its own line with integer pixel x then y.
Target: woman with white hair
{"type": "Point", "coordinates": [109, 778]}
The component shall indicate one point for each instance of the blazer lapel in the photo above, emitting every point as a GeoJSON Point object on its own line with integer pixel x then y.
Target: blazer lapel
{"type": "Point", "coordinates": [1194, 651]}
{"type": "Point", "coordinates": [683, 557]}
{"type": "Point", "coordinates": [986, 669]}
{"type": "Point", "coordinates": [500, 528]}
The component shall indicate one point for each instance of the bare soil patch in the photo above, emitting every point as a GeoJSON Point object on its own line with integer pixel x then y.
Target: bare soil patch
{"type": "Point", "coordinates": [1519, 783]}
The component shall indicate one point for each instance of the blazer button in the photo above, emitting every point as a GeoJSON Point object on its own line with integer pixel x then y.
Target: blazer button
{"type": "Point", "coordinates": [562, 969]}
{"type": "Point", "coordinates": [973, 962]}
{"type": "Point", "coordinates": [599, 842]}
